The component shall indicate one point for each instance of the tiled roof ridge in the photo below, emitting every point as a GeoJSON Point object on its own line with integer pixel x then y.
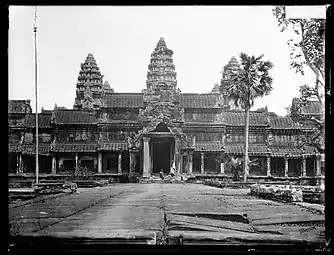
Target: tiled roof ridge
{"type": "Point", "coordinates": [124, 93]}
{"type": "Point", "coordinates": [40, 113]}
{"type": "Point", "coordinates": [211, 94]}
{"type": "Point", "coordinates": [76, 110]}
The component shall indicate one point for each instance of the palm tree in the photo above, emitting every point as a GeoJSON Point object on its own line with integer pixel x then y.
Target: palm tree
{"type": "Point", "coordinates": [244, 84]}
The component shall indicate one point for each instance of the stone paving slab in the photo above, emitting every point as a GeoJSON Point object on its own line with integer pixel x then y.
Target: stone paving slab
{"type": "Point", "coordinates": [139, 208]}
{"type": "Point", "coordinates": [283, 218]}
{"type": "Point", "coordinates": [222, 225]}
{"type": "Point", "coordinates": [196, 237]}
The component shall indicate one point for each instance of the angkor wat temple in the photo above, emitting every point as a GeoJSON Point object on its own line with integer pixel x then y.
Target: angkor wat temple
{"type": "Point", "coordinates": [161, 128]}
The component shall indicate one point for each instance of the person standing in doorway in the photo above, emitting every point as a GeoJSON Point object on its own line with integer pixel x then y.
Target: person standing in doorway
{"type": "Point", "coordinates": [161, 174]}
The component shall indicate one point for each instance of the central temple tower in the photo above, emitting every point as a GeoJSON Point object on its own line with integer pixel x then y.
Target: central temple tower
{"type": "Point", "coordinates": [161, 96]}
{"type": "Point", "coordinates": [161, 117]}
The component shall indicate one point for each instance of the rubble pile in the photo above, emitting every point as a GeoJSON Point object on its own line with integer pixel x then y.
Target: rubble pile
{"type": "Point", "coordinates": [214, 183]}
{"type": "Point", "coordinates": [170, 178]}
{"type": "Point", "coordinates": [55, 188]}
{"type": "Point", "coordinates": [277, 192]}
{"type": "Point", "coordinates": [313, 194]}
{"type": "Point", "coordinates": [179, 178]}
{"type": "Point", "coordinates": [226, 184]}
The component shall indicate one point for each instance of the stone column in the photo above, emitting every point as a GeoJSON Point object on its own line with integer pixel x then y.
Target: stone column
{"type": "Point", "coordinates": [318, 166]}
{"type": "Point", "coordinates": [286, 168]}
{"type": "Point", "coordinates": [202, 162]}
{"type": "Point", "coordinates": [268, 166]}
{"type": "Point", "coordinates": [303, 167]}
{"type": "Point", "coordinates": [190, 169]}
{"type": "Point", "coordinates": [177, 153]}
{"type": "Point", "coordinates": [146, 167]}
{"type": "Point", "coordinates": [120, 162]}
{"type": "Point", "coordinates": [76, 161]}
{"type": "Point", "coordinates": [99, 162]}
{"type": "Point", "coordinates": [19, 166]}
{"type": "Point", "coordinates": [54, 164]}
{"type": "Point", "coordinates": [132, 162]}
{"type": "Point", "coordinates": [222, 168]}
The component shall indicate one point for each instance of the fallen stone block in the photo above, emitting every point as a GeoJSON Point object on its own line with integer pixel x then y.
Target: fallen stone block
{"type": "Point", "coordinates": [277, 192]}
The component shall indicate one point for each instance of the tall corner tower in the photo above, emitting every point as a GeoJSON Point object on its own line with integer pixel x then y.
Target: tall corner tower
{"type": "Point", "coordinates": [89, 85]}
{"type": "Point", "coordinates": [231, 67]}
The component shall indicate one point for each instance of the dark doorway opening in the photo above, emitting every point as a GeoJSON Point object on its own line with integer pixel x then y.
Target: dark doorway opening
{"type": "Point", "coordinates": [30, 164]}
{"type": "Point", "coordinates": [184, 164]}
{"type": "Point", "coordinates": [258, 168]}
{"type": "Point", "coordinates": [125, 162]}
{"type": "Point", "coordinates": [196, 162]}
{"type": "Point", "coordinates": [12, 163]}
{"type": "Point", "coordinates": [68, 165]}
{"type": "Point", "coordinates": [310, 167]}
{"type": "Point", "coordinates": [277, 166]}
{"type": "Point", "coordinates": [88, 163]}
{"type": "Point", "coordinates": [137, 165]}
{"type": "Point", "coordinates": [294, 169]}
{"type": "Point", "coordinates": [161, 154]}
{"type": "Point", "coordinates": [210, 165]}
{"type": "Point", "coordinates": [45, 164]}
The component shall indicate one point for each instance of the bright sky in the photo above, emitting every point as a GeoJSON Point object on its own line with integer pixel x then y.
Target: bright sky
{"type": "Point", "coordinates": [122, 39]}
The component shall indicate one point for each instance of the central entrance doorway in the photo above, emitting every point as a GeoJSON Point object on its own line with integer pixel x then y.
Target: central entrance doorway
{"type": "Point", "coordinates": [161, 154]}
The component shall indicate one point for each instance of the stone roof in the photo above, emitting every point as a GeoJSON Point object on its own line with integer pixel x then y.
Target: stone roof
{"type": "Point", "coordinates": [292, 151]}
{"type": "Point", "coordinates": [307, 108]}
{"type": "Point", "coordinates": [44, 120]}
{"type": "Point", "coordinates": [279, 122]}
{"type": "Point", "coordinates": [19, 106]}
{"type": "Point", "coordinates": [237, 118]}
{"type": "Point", "coordinates": [190, 100]}
{"type": "Point", "coordinates": [208, 146]}
{"type": "Point", "coordinates": [135, 100]}
{"type": "Point", "coordinates": [123, 100]}
{"type": "Point", "coordinates": [312, 108]}
{"type": "Point", "coordinates": [74, 147]}
{"type": "Point", "coordinates": [74, 117]}
{"type": "Point", "coordinates": [238, 149]}
{"type": "Point", "coordinates": [113, 146]}
{"type": "Point", "coordinates": [14, 147]}
{"type": "Point", "coordinates": [30, 149]}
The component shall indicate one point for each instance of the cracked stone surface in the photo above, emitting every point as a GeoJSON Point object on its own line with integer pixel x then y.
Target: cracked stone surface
{"type": "Point", "coordinates": [193, 210]}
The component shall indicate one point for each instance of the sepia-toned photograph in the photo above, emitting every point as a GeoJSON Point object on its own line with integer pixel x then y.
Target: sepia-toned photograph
{"type": "Point", "coordinates": [167, 126]}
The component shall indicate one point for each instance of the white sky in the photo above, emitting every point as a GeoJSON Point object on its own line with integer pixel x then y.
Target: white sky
{"type": "Point", "coordinates": [122, 39]}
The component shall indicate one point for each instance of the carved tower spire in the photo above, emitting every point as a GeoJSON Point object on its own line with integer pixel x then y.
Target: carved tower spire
{"type": "Point", "coordinates": [161, 75]}
{"type": "Point", "coordinates": [232, 66]}
{"type": "Point", "coordinates": [161, 96]}
{"type": "Point", "coordinates": [89, 85]}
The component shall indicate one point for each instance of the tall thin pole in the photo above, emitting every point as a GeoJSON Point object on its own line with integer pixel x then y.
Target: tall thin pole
{"type": "Point", "coordinates": [36, 137]}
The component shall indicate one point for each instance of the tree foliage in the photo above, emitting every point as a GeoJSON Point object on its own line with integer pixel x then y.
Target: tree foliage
{"type": "Point", "coordinates": [250, 81]}
{"type": "Point", "coordinates": [307, 49]}
{"type": "Point", "coordinates": [244, 83]}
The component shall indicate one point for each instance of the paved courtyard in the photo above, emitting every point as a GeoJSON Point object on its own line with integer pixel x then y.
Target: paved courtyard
{"type": "Point", "coordinates": [193, 210]}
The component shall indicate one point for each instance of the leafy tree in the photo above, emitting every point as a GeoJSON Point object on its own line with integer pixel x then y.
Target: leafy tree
{"type": "Point", "coordinates": [306, 50]}
{"type": "Point", "coordinates": [244, 83]}
{"type": "Point", "coordinates": [236, 164]}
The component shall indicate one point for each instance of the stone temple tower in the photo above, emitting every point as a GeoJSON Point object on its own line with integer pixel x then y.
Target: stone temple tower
{"type": "Point", "coordinates": [161, 96]}
{"type": "Point", "coordinates": [161, 70]}
{"type": "Point", "coordinates": [231, 67]}
{"type": "Point", "coordinates": [89, 85]}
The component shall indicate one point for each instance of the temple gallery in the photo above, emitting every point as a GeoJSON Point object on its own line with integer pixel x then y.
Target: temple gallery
{"type": "Point", "coordinates": [160, 128]}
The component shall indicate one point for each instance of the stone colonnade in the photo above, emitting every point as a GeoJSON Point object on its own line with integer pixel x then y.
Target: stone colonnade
{"type": "Point", "coordinates": [147, 162]}
{"type": "Point", "coordinates": [189, 165]}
